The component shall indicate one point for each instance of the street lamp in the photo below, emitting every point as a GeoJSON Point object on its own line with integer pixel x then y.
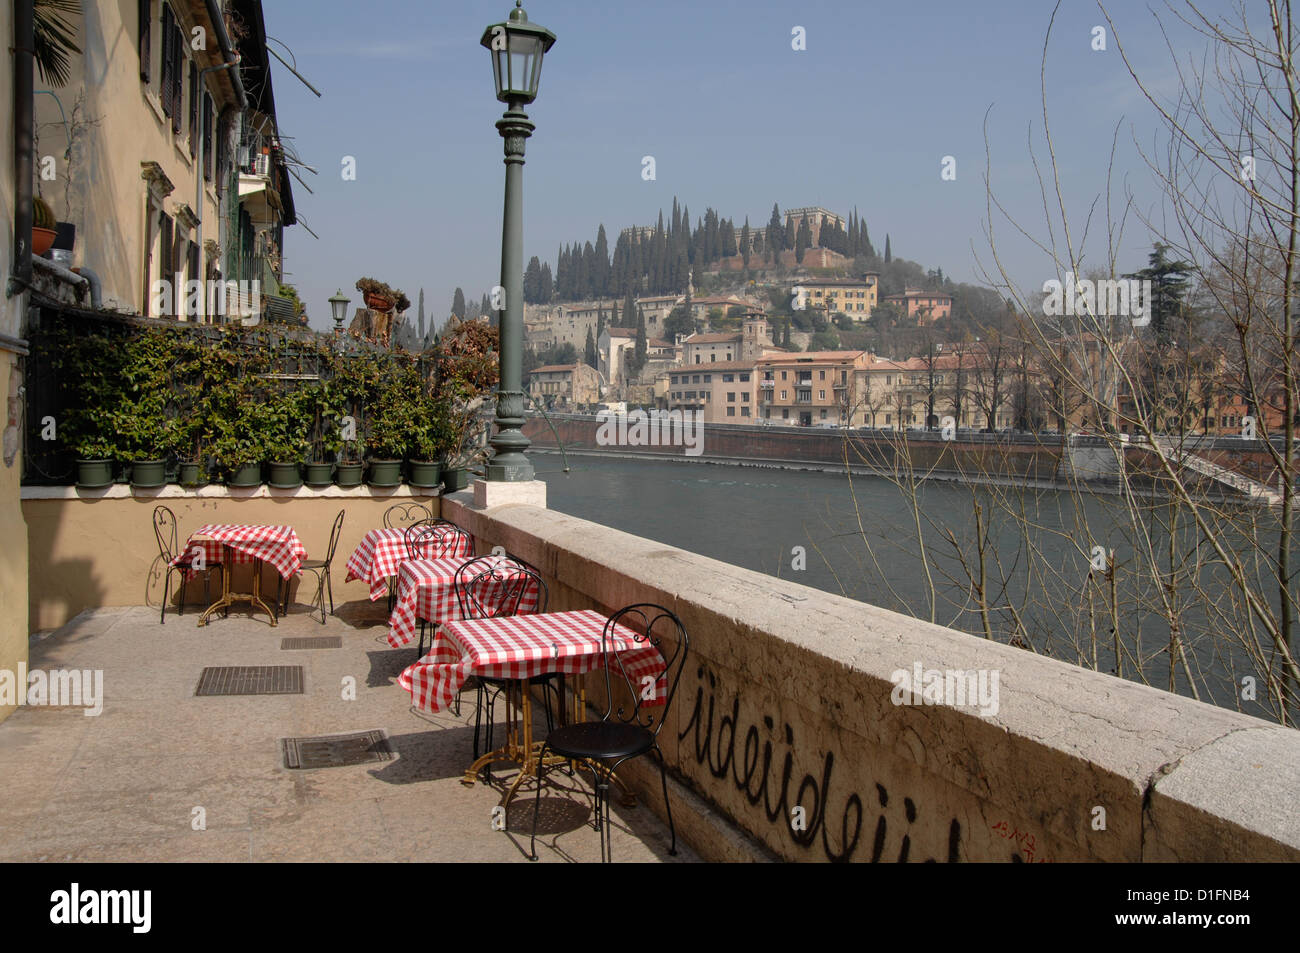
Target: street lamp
{"type": "Point", "coordinates": [339, 309]}
{"type": "Point", "coordinates": [517, 47]}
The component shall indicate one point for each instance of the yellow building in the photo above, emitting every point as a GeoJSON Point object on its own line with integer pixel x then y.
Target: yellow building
{"type": "Point", "coordinates": [166, 167]}
{"type": "Point", "coordinates": [854, 297]}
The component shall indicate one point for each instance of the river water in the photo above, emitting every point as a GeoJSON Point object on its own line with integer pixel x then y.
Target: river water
{"type": "Point", "coordinates": [858, 537]}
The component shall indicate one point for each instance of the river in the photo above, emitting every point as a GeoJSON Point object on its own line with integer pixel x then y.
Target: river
{"type": "Point", "coordinates": [858, 538]}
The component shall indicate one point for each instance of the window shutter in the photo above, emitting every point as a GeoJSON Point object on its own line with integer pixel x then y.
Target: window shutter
{"type": "Point", "coordinates": [194, 109]}
{"type": "Point", "coordinates": [178, 77]}
{"type": "Point", "coordinates": [146, 51]}
{"type": "Point", "coordinates": [207, 137]}
{"type": "Point", "coordinates": [165, 83]}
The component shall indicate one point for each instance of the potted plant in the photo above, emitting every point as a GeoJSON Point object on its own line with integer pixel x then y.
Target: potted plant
{"type": "Point", "coordinates": [287, 439]}
{"type": "Point", "coordinates": [320, 406]}
{"type": "Point", "coordinates": [430, 441]}
{"type": "Point", "coordinates": [394, 418]}
{"type": "Point", "coordinates": [464, 433]}
{"type": "Point", "coordinates": [145, 436]}
{"type": "Point", "coordinates": [346, 392]}
{"type": "Point", "coordinates": [240, 444]}
{"type": "Point", "coordinates": [95, 453]}
{"type": "Point", "coordinates": [44, 226]}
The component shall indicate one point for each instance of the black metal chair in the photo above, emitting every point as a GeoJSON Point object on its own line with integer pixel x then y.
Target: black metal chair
{"type": "Point", "coordinates": [430, 539]}
{"type": "Point", "coordinates": [434, 539]}
{"type": "Point", "coordinates": [164, 530]}
{"type": "Point", "coordinates": [401, 515]}
{"type": "Point", "coordinates": [492, 587]}
{"type": "Point", "coordinates": [622, 733]}
{"type": "Point", "coordinates": [321, 567]}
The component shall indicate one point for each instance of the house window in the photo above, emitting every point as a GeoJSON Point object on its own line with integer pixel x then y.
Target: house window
{"type": "Point", "coordinates": [785, 415]}
{"type": "Point", "coordinates": [708, 378]}
{"type": "Point", "coordinates": [783, 375]}
{"type": "Point", "coordinates": [744, 411]}
{"type": "Point", "coordinates": [821, 375]}
{"type": "Point", "coordinates": [697, 379]}
{"type": "Point", "coordinates": [731, 411]}
{"type": "Point", "coordinates": [728, 378]}
{"type": "Point", "coordinates": [744, 378]}
{"type": "Point", "coordinates": [173, 83]}
{"type": "Point", "coordinates": [821, 395]}
{"type": "Point", "coordinates": [887, 419]}
{"type": "Point", "coordinates": [731, 397]}
{"type": "Point", "coordinates": [712, 358]}
{"type": "Point", "coordinates": [697, 359]}
{"type": "Point", "coordinates": [783, 395]}
{"type": "Point", "coordinates": [744, 397]}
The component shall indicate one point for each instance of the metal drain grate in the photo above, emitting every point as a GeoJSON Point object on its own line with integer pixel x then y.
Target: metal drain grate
{"type": "Point", "coordinates": [313, 642]}
{"type": "Point", "coordinates": [251, 680]}
{"type": "Point", "coordinates": [335, 751]}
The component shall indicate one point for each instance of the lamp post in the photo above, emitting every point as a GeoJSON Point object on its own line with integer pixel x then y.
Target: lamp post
{"type": "Point", "coordinates": [339, 309]}
{"type": "Point", "coordinates": [517, 47]}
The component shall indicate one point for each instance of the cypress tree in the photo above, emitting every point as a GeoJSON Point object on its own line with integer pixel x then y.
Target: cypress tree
{"type": "Point", "coordinates": [641, 351]}
{"type": "Point", "coordinates": [888, 255]}
{"type": "Point", "coordinates": [600, 278]}
{"type": "Point", "coordinates": [744, 243]}
{"type": "Point", "coordinates": [791, 233]}
{"type": "Point", "coordinates": [458, 303]}
{"type": "Point", "coordinates": [802, 240]}
{"type": "Point", "coordinates": [546, 286]}
{"type": "Point", "coordinates": [629, 305]}
{"type": "Point", "coordinates": [421, 314]}
{"type": "Point", "coordinates": [589, 352]}
{"type": "Point", "coordinates": [613, 316]}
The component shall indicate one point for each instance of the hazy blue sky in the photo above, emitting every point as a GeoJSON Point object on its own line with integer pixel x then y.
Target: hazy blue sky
{"type": "Point", "coordinates": [734, 117]}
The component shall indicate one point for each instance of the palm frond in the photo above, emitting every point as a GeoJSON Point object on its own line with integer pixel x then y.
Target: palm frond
{"type": "Point", "coordinates": [55, 39]}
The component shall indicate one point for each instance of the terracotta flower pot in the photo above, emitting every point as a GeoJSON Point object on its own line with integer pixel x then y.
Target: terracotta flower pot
{"type": "Point", "coordinates": [42, 239]}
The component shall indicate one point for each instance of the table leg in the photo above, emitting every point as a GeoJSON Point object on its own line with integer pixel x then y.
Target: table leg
{"type": "Point", "coordinates": [225, 600]}
{"type": "Point", "coordinates": [256, 599]}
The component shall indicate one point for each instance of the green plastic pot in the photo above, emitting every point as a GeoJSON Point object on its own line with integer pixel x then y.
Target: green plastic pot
{"type": "Point", "coordinates": [148, 474]}
{"type": "Point", "coordinates": [188, 474]}
{"type": "Point", "coordinates": [320, 474]}
{"type": "Point", "coordinates": [94, 474]}
{"type": "Point", "coordinates": [285, 476]}
{"type": "Point", "coordinates": [250, 474]}
{"type": "Point", "coordinates": [385, 473]}
{"type": "Point", "coordinates": [426, 474]}
{"type": "Point", "coordinates": [454, 479]}
{"type": "Point", "coordinates": [349, 474]}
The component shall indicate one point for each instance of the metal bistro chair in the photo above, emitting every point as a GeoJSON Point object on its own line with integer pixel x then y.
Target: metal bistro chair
{"type": "Point", "coordinates": [164, 530]}
{"type": "Point", "coordinates": [430, 539]}
{"type": "Point", "coordinates": [321, 567]}
{"type": "Point", "coordinates": [401, 515]}
{"type": "Point", "coordinates": [492, 587]}
{"type": "Point", "coordinates": [622, 733]}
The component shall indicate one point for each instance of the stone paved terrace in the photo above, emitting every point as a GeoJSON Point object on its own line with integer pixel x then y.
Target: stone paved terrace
{"type": "Point", "coordinates": [123, 786]}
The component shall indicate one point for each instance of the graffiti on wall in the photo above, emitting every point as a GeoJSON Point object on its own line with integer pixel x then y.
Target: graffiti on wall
{"type": "Point", "coordinates": [838, 829]}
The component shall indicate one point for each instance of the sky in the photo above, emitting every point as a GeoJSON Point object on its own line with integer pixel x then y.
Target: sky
{"type": "Point", "coordinates": [734, 116]}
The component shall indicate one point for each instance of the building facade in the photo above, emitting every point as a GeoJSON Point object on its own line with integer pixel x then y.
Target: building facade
{"type": "Point", "coordinates": [855, 297]}
{"type": "Point", "coordinates": [925, 306]}
{"type": "Point", "coordinates": [723, 392]}
{"type": "Point", "coordinates": [809, 389]}
{"type": "Point", "coordinates": [564, 385]}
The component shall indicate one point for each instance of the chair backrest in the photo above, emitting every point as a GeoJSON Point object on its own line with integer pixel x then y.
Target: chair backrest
{"type": "Point", "coordinates": [491, 587]}
{"type": "Point", "coordinates": [335, 533]}
{"type": "Point", "coordinates": [164, 530]}
{"type": "Point", "coordinates": [651, 625]}
{"type": "Point", "coordinates": [401, 515]}
{"type": "Point", "coordinates": [435, 539]}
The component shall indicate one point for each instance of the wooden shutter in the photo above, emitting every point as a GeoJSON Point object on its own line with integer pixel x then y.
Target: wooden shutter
{"type": "Point", "coordinates": [146, 51]}
{"type": "Point", "coordinates": [168, 60]}
{"type": "Point", "coordinates": [208, 158]}
{"type": "Point", "coordinates": [178, 76]}
{"type": "Point", "coordinates": [194, 109]}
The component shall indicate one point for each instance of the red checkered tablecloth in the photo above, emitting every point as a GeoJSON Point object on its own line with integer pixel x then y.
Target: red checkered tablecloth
{"type": "Point", "coordinates": [380, 554]}
{"type": "Point", "coordinates": [277, 545]}
{"type": "Point", "coordinates": [524, 646]}
{"type": "Point", "coordinates": [426, 589]}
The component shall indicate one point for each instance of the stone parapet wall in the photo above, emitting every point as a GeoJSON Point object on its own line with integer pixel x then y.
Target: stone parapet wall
{"type": "Point", "coordinates": [786, 703]}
